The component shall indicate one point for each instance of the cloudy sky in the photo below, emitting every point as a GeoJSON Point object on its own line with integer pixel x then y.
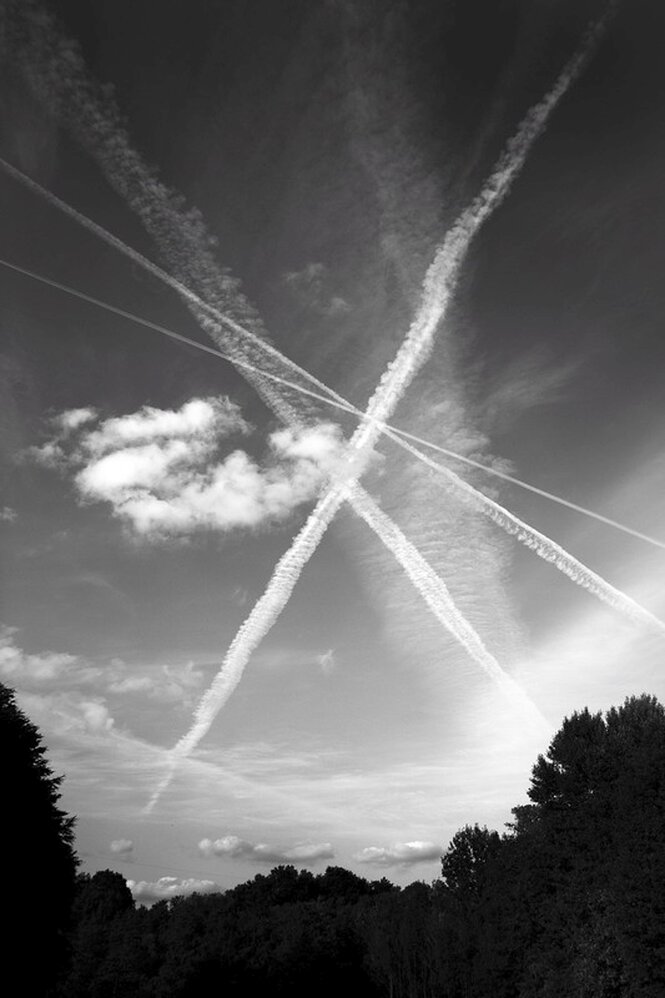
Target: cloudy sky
{"type": "Point", "coordinates": [151, 487]}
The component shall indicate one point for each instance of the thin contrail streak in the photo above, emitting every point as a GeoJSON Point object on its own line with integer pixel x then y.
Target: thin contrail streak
{"type": "Point", "coordinates": [438, 289]}
{"type": "Point", "coordinates": [546, 548]}
{"type": "Point", "coordinates": [386, 428]}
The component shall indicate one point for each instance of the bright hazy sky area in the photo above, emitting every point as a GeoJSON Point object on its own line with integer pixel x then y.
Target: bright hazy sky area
{"type": "Point", "coordinates": [150, 488]}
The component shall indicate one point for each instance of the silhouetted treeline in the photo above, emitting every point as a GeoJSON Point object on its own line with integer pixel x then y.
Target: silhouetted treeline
{"type": "Point", "coordinates": [39, 863]}
{"type": "Point", "coordinates": [568, 903]}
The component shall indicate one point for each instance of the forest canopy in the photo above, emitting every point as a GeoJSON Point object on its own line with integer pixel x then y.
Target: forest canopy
{"type": "Point", "coordinates": [569, 900]}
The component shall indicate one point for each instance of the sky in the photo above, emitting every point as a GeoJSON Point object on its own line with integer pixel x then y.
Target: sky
{"type": "Point", "coordinates": [150, 487]}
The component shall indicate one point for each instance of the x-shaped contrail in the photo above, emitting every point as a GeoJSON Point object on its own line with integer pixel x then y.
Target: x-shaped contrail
{"type": "Point", "coordinates": [439, 288]}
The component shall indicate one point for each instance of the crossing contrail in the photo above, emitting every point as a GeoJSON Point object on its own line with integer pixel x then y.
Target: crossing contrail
{"type": "Point", "coordinates": [150, 193]}
{"type": "Point", "coordinates": [417, 569]}
{"type": "Point", "coordinates": [183, 241]}
{"type": "Point", "coordinates": [278, 592]}
{"type": "Point", "coordinates": [439, 286]}
{"type": "Point", "coordinates": [219, 325]}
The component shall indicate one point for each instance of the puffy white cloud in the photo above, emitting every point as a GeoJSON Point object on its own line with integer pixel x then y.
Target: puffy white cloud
{"type": "Point", "coordinates": [116, 476]}
{"type": "Point", "coordinates": [95, 715]}
{"type": "Point", "coordinates": [400, 854]}
{"type": "Point", "coordinates": [132, 684]}
{"type": "Point", "coordinates": [50, 454]}
{"type": "Point", "coordinates": [161, 472]}
{"type": "Point", "coordinates": [148, 892]}
{"type": "Point", "coordinates": [67, 714]}
{"type": "Point", "coordinates": [198, 419]}
{"type": "Point", "coordinates": [235, 848]}
{"type": "Point", "coordinates": [72, 419]}
{"type": "Point", "coordinates": [7, 514]}
{"type": "Point", "coordinates": [122, 847]}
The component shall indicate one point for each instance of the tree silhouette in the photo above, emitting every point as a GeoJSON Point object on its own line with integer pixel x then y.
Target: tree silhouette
{"type": "Point", "coordinates": [571, 901]}
{"type": "Point", "coordinates": [40, 864]}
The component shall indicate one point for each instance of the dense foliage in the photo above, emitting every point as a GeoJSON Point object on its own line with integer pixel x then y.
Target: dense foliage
{"type": "Point", "coordinates": [570, 901]}
{"type": "Point", "coordinates": [36, 838]}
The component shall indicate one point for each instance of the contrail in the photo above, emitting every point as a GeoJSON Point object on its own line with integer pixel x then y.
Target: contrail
{"type": "Point", "coordinates": [183, 240]}
{"type": "Point", "coordinates": [410, 559]}
{"type": "Point", "coordinates": [545, 548]}
{"type": "Point", "coordinates": [62, 80]}
{"type": "Point", "coordinates": [438, 289]}
{"type": "Point", "coordinates": [278, 593]}
{"type": "Point", "coordinates": [331, 400]}
{"type": "Point", "coordinates": [502, 178]}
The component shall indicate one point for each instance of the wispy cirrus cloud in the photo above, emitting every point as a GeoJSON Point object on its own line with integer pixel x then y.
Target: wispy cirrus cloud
{"type": "Point", "coordinates": [161, 472]}
{"type": "Point", "coordinates": [232, 847]}
{"type": "Point", "coordinates": [311, 287]}
{"type": "Point", "coordinates": [327, 661]}
{"type": "Point", "coordinates": [526, 382]}
{"type": "Point", "coordinates": [124, 848]}
{"type": "Point", "coordinates": [400, 854]}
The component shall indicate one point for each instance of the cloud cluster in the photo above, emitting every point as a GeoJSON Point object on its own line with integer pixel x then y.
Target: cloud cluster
{"type": "Point", "coordinates": [20, 669]}
{"type": "Point", "coordinates": [400, 854]}
{"type": "Point", "coordinates": [61, 672]}
{"type": "Point", "coordinates": [69, 714]}
{"type": "Point", "coordinates": [147, 892]}
{"type": "Point", "coordinates": [232, 847]}
{"type": "Point", "coordinates": [161, 471]}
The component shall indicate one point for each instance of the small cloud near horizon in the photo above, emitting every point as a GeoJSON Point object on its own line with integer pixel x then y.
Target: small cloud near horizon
{"type": "Point", "coordinates": [147, 892]}
{"type": "Point", "coordinates": [400, 854]}
{"type": "Point", "coordinates": [232, 847]}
